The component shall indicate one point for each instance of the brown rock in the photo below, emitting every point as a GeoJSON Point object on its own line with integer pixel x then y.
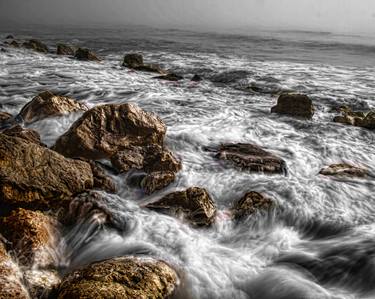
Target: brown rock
{"type": "Point", "coordinates": [14, 44]}
{"type": "Point", "coordinates": [156, 181]}
{"type": "Point", "coordinates": [36, 177]}
{"type": "Point", "coordinates": [4, 116]}
{"type": "Point", "coordinates": [368, 121]}
{"type": "Point", "coordinates": [28, 135]}
{"type": "Point", "coordinates": [47, 104]}
{"type": "Point", "coordinates": [157, 159]}
{"type": "Point", "coordinates": [63, 49]}
{"type": "Point", "coordinates": [36, 45]}
{"type": "Point", "coordinates": [129, 158]}
{"type": "Point", "coordinates": [41, 283]}
{"type": "Point", "coordinates": [249, 204]}
{"type": "Point", "coordinates": [126, 277]}
{"type": "Point", "coordinates": [86, 55]}
{"type": "Point", "coordinates": [194, 204]}
{"type": "Point", "coordinates": [170, 77]}
{"type": "Point", "coordinates": [344, 170]}
{"type": "Point", "coordinates": [101, 180]}
{"type": "Point", "coordinates": [135, 61]}
{"type": "Point", "coordinates": [104, 130]}
{"type": "Point", "coordinates": [33, 236]}
{"type": "Point", "coordinates": [295, 105]}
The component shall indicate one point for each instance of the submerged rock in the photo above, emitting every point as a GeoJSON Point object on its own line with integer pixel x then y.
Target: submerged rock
{"type": "Point", "coordinates": [229, 76]}
{"type": "Point", "coordinates": [28, 135]}
{"type": "Point", "coordinates": [36, 177]}
{"type": "Point", "coordinates": [33, 236]}
{"type": "Point", "coordinates": [47, 104]}
{"type": "Point", "coordinates": [135, 61]}
{"type": "Point", "coordinates": [126, 277]}
{"type": "Point", "coordinates": [63, 49]}
{"type": "Point", "coordinates": [170, 77]}
{"type": "Point", "coordinates": [104, 130]}
{"type": "Point", "coordinates": [249, 204]}
{"type": "Point", "coordinates": [344, 170]}
{"type": "Point", "coordinates": [86, 55]}
{"type": "Point", "coordinates": [196, 78]}
{"type": "Point", "coordinates": [250, 157]}
{"type": "Point", "coordinates": [294, 104]}
{"type": "Point", "coordinates": [194, 204]}
{"type": "Point", "coordinates": [36, 45]}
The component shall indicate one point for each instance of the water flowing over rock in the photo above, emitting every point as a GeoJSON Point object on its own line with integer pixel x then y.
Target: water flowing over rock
{"type": "Point", "coordinates": [170, 77]}
{"type": "Point", "coordinates": [249, 204]}
{"type": "Point", "coordinates": [28, 135]}
{"type": "Point", "coordinates": [41, 283]}
{"type": "Point", "coordinates": [63, 49]}
{"type": "Point", "coordinates": [344, 170]}
{"type": "Point", "coordinates": [126, 277]}
{"type": "Point", "coordinates": [230, 76]}
{"type": "Point", "coordinates": [104, 130]}
{"type": "Point", "coordinates": [33, 236]}
{"type": "Point", "coordinates": [295, 105]}
{"type": "Point", "coordinates": [36, 177]}
{"type": "Point", "coordinates": [250, 157]}
{"type": "Point", "coordinates": [86, 55]}
{"type": "Point", "coordinates": [36, 45]}
{"type": "Point", "coordinates": [46, 104]}
{"type": "Point", "coordinates": [194, 204]}
{"type": "Point", "coordinates": [356, 118]}
{"type": "Point", "coordinates": [135, 61]}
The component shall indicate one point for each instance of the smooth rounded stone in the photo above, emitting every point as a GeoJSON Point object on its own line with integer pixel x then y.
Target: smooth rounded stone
{"type": "Point", "coordinates": [169, 77]}
{"type": "Point", "coordinates": [101, 179]}
{"type": "Point", "coordinates": [36, 177]}
{"type": "Point", "coordinates": [11, 277]}
{"type": "Point", "coordinates": [28, 135]}
{"type": "Point", "coordinates": [250, 203]}
{"type": "Point", "coordinates": [63, 49]}
{"type": "Point", "coordinates": [193, 204]}
{"type": "Point", "coordinates": [47, 104]}
{"type": "Point", "coordinates": [36, 45]}
{"type": "Point", "coordinates": [10, 36]}
{"type": "Point", "coordinates": [155, 181]}
{"type": "Point", "coordinates": [250, 157]}
{"type": "Point", "coordinates": [196, 78]}
{"type": "Point", "coordinates": [295, 105]}
{"type": "Point", "coordinates": [33, 235]}
{"type": "Point", "coordinates": [125, 277]}
{"type": "Point", "coordinates": [86, 55]}
{"type": "Point", "coordinates": [41, 283]}
{"type": "Point", "coordinates": [344, 170]}
{"type": "Point", "coordinates": [133, 60]}
{"type": "Point", "coordinates": [104, 130]}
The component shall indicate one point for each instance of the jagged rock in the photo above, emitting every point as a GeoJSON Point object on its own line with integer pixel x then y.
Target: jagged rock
{"type": "Point", "coordinates": [196, 78]}
{"type": "Point", "coordinates": [41, 283]}
{"type": "Point", "coordinates": [356, 118]}
{"type": "Point", "coordinates": [155, 181]}
{"type": "Point", "coordinates": [194, 204]}
{"type": "Point", "coordinates": [135, 61]}
{"type": "Point", "coordinates": [368, 121]}
{"type": "Point", "coordinates": [14, 44]}
{"type": "Point", "coordinates": [128, 158]}
{"type": "Point", "coordinates": [28, 135]}
{"type": "Point", "coordinates": [249, 204]}
{"type": "Point", "coordinates": [10, 36]}
{"type": "Point", "coordinates": [104, 130]}
{"type": "Point", "coordinates": [294, 104]}
{"type": "Point", "coordinates": [46, 104]}
{"type": "Point", "coordinates": [10, 277]}
{"type": "Point", "coordinates": [36, 45]}
{"type": "Point", "coordinates": [125, 277]}
{"type": "Point", "coordinates": [63, 49]}
{"type": "Point", "coordinates": [101, 180]}
{"type": "Point", "coordinates": [86, 55]}
{"type": "Point", "coordinates": [344, 170]}
{"type": "Point", "coordinates": [250, 157]}
{"type": "Point", "coordinates": [36, 177]}
{"type": "Point", "coordinates": [170, 77]}
{"type": "Point", "coordinates": [33, 236]}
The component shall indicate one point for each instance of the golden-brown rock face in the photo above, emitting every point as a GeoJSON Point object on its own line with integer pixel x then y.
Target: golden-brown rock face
{"type": "Point", "coordinates": [295, 105]}
{"type": "Point", "coordinates": [47, 104]}
{"type": "Point", "coordinates": [86, 55]}
{"type": "Point", "coordinates": [250, 203]}
{"type": "Point", "coordinates": [29, 135]}
{"type": "Point", "coordinates": [36, 177]}
{"type": "Point", "coordinates": [104, 130]}
{"type": "Point", "coordinates": [123, 278]}
{"type": "Point", "coordinates": [344, 170]}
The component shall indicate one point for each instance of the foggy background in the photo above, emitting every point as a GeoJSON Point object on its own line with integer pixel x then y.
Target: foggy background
{"type": "Point", "coordinates": [350, 16]}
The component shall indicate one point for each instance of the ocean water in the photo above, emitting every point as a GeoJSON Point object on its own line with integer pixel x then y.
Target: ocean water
{"type": "Point", "coordinates": [318, 243]}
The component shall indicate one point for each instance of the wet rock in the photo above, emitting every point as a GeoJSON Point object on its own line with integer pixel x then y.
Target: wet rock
{"type": "Point", "coordinates": [196, 78]}
{"type": "Point", "coordinates": [170, 77]}
{"type": "Point", "coordinates": [10, 277]}
{"type": "Point", "coordinates": [356, 118]}
{"type": "Point", "coordinates": [249, 204]}
{"type": "Point", "coordinates": [194, 204]}
{"type": "Point", "coordinates": [229, 76]}
{"type": "Point", "coordinates": [86, 55]}
{"type": "Point", "coordinates": [63, 49]}
{"type": "Point", "coordinates": [28, 135]}
{"type": "Point", "coordinates": [41, 283]}
{"type": "Point", "coordinates": [101, 180]}
{"type": "Point", "coordinates": [344, 170]}
{"type": "Point", "coordinates": [250, 157]}
{"type": "Point", "coordinates": [368, 121]}
{"type": "Point", "coordinates": [10, 36]}
{"type": "Point", "coordinates": [135, 61]}
{"type": "Point", "coordinates": [3, 50]}
{"type": "Point", "coordinates": [36, 45]}
{"type": "Point", "coordinates": [128, 158]}
{"type": "Point", "coordinates": [294, 104]}
{"type": "Point", "coordinates": [36, 177]}
{"type": "Point", "coordinates": [104, 130]}
{"type": "Point", "coordinates": [4, 116]}
{"type": "Point", "coordinates": [33, 236]}
{"type": "Point", "coordinates": [126, 277]}
{"type": "Point", "coordinates": [47, 104]}
{"type": "Point", "coordinates": [155, 181]}
{"type": "Point", "coordinates": [14, 44]}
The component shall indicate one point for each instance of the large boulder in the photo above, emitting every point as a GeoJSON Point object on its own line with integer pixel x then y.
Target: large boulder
{"type": "Point", "coordinates": [36, 177]}
{"type": "Point", "coordinates": [344, 170]}
{"type": "Point", "coordinates": [194, 204]}
{"type": "Point", "coordinates": [250, 157]}
{"type": "Point", "coordinates": [126, 277]}
{"type": "Point", "coordinates": [135, 61]}
{"type": "Point", "coordinates": [36, 45]}
{"type": "Point", "coordinates": [11, 285]}
{"type": "Point", "coordinates": [33, 236]}
{"type": "Point", "coordinates": [249, 204]}
{"type": "Point", "coordinates": [63, 49]}
{"type": "Point", "coordinates": [47, 104]}
{"type": "Point", "coordinates": [86, 55]}
{"type": "Point", "coordinates": [28, 135]}
{"type": "Point", "coordinates": [104, 130]}
{"type": "Point", "coordinates": [294, 104]}
{"type": "Point", "coordinates": [156, 181]}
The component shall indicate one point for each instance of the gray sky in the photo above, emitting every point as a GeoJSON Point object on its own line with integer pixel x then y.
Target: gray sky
{"type": "Point", "coordinates": [331, 15]}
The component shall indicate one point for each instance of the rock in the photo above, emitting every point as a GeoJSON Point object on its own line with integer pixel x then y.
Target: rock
{"type": "Point", "coordinates": [10, 277]}
{"type": "Point", "coordinates": [36, 177]}
{"type": "Point", "coordinates": [4, 116]}
{"type": "Point", "coordinates": [230, 76]}
{"type": "Point", "coordinates": [344, 170]}
{"type": "Point", "coordinates": [368, 121]}
{"type": "Point", "coordinates": [250, 157]}
{"type": "Point", "coordinates": [294, 104]}
{"type": "Point", "coordinates": [249, 204]}
{"type": "Point", "coordinates": [46, 104]}
{"type": "Point", "coordinates": [356, 118]}
{"type": "Point", "coordinates": [104, 130]}
{"type": "Point", "coordinates": [128, 158]}
{"type": "Point", "coordinates": [9, 36]}
{"type": "Point", "coordinates": [196, 78]}
{"type": "Point", "coordinates": [3, 50]}
{"type": "Point", "coordinates": [155, 181]}
{"type": "Point", "coordinates": [101, 180]}
{"type": "Point", "coordinates": [36, 45]}
{"type": "Point", "coordinates": [28, 135]}
{"type": "Point", "coordinates": [63, 49]}
{"type": "Point", "coordinates": [194, 204]}
{"type": "Point", "coordinates": [86, 55]}
{"type": "Point", "coordinates": [41, 283]}
{"type": "Point", "coordinates": [33, 235]}
{"type": "Point", "coordinates": [14, 44]}
{"type": "Point", "coordinates": [345, 119]}
{"type": "Point", "coordinates": [135, 61]}
{"type": "Point", "coordinates": [126, 277]}
{"type": "Point", "coordinates": [170, 77]}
